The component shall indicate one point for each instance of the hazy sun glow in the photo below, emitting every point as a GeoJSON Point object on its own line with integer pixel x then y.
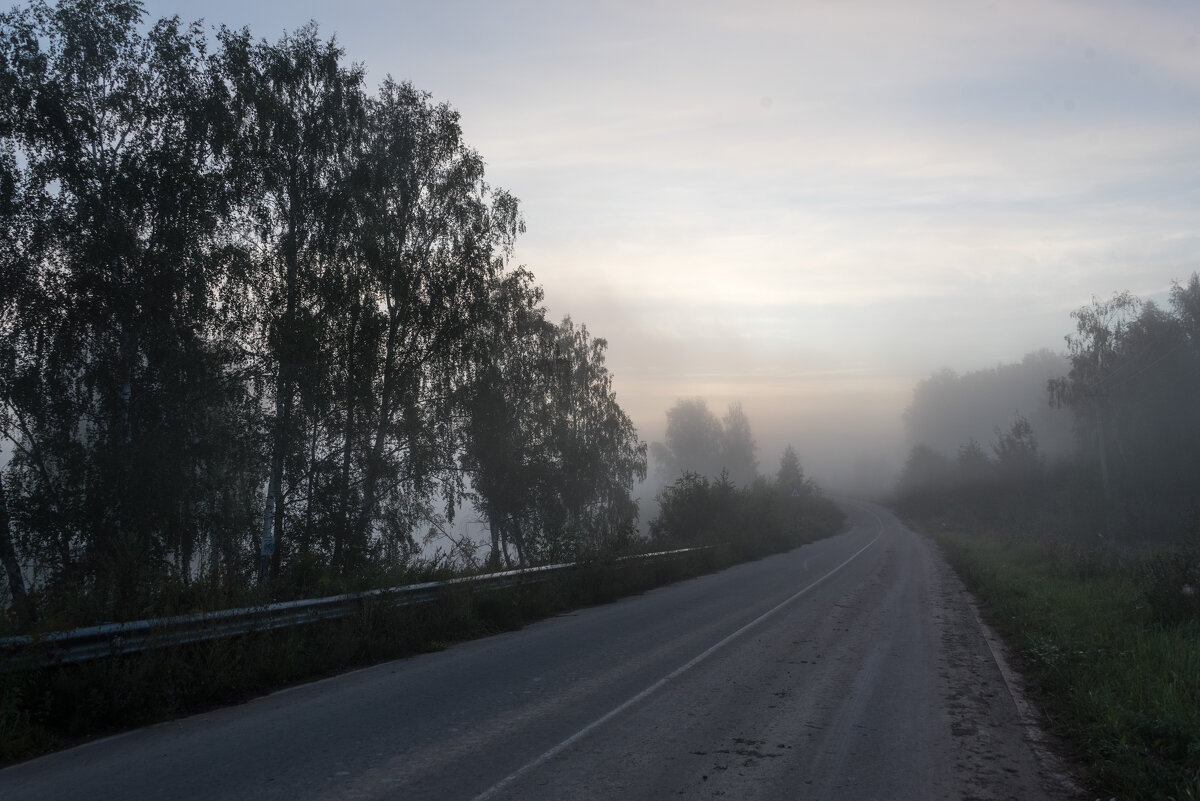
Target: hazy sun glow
{"type": "Point", "coordinates": [810, 206]}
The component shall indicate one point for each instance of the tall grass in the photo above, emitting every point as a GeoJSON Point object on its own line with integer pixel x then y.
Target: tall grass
{"type": "Point", "coordinates": [1111, 646]}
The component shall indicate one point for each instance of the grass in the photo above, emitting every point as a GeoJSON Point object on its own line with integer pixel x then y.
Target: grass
{"type": "Point", "coordinates": [52, 708]}
{"type": "Point", "coordinates": [1104, 645]}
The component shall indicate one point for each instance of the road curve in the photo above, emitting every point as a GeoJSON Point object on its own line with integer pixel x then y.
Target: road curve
{"type": "Point", "coordinates": [851, 668]}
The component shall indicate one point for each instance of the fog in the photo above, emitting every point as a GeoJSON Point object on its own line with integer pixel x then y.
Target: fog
{"type": "Point", "coordinates": [855, 443]}
{"type": "Point", "coordinates": [305, 301]}
{"type": "Point", "coordinates": [851, 224]}
{"type": "Point", "coordinates": [810, 209]}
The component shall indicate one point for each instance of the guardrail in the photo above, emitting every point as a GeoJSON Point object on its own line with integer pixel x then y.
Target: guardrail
{"type": "Point", "coordinates": [113, 639]}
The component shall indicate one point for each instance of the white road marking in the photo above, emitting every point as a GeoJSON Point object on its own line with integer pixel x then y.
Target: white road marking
{"type": "Point", "coordinates": [595, 724]}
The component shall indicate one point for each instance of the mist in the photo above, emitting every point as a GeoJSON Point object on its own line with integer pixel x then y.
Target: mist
{"type": "Point", "coordinates": [528, 307]}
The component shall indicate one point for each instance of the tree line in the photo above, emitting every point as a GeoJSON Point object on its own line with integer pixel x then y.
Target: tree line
{"type": "Point", "coordinates": [713, 494]}
{"type": "Point", "coordinates": [698, 442]}
{"type": "Point", "coordinates": [258, 325]}
{"type": "Point", "coordinates": [1130, 386]}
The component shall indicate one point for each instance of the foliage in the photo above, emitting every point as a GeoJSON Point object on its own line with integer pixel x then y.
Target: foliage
{"type": "Point", "coordinates": [1108, 636]}
{"type": "Point", "coordinates": [552, 454]}
{"type": "Point", "coordinates": [258, 329]}
{"type": "Point", "coordinates": [697, 442]}
{"type": "Point", "coordinates": [948, 409]}
{"type": "Point", "coordinates": [765, 517]}
{"type": "Point", "coordinates": [738, 447]}
{"type": "Point", "coordinates": [1135, 474]}
{"type": "Point", "coordinates": [1106, 647]}
{"type": "Point", "coordinates": [1135, 374]}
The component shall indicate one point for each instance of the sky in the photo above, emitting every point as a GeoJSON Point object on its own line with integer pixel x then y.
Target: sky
{"type": "Point", "coordinates": [809, 206]}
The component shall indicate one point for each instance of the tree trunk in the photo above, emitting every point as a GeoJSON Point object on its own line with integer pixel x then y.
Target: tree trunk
{"type": "Point", "coordinates": [8, 555]}
{"type": "Point", "coordinates": [519, 542]}
{"type": "Point", "coordinates": [375, 459]}
{"type": "Point", "coordinates": [344, 532]}
{"type": "Point", "coordinates": [284, 385]}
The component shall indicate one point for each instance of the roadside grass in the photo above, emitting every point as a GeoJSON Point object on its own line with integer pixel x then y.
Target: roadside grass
{"type": "Point", "coordinates": [51, 708]}
{"type": "Point", "coordinates": [1114, 663]}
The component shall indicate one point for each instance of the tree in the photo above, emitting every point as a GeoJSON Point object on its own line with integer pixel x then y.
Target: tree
{"type": "Point", "coordinates": [693, 442]}
{"type": "Point", "coordinates": [795, 494]}
{"type": "Point", "coordinates": [738, 447]}
{"type": "Point", "coordinates": [508, 451]}
{"type": "Point", "coordinates": [599, 454]}
{"type": "Point", "coordinates": [700, 443]}
{"type": "Point", "coordinates": [1131, 386]}
{"type": "Point", "coordinates": [926, 475]}
{"type": "Point", "coordinates": [950, 408]}
{"type": "Point", "coordinates": [12, 568]}
{"type": "Point", "coordinates": [1016, 450]}
{"type": "Point", "coordinates": [973, 468]}
{"type": "Point", "coordinates": [764, 517]}
{"type": "Point", "coordinates": [790, 477]}
{"type": "Point", "coordinates": [687, 514]}
{"type": "Point", "coordinates": [114, 343]}
{"type": "Point", "coordinates": [551, 455]}
{"type": "Point", "coordinates": [300, 114]}
{"type": "Point", "coordinates": [434, 238]}
{"type": "Point", "coordinates": [240, 296]}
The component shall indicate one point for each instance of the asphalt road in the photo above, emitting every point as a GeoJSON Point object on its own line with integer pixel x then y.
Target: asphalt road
{"type": "Point", "coordinates": [852, 668]}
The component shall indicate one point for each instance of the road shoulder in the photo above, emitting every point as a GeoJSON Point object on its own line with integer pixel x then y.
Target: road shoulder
{"type": "Point", "coordinates": [986, 694]}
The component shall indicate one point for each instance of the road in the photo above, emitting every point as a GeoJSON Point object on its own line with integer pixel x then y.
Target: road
{"type": "Point", "coordinates": [851, 668]}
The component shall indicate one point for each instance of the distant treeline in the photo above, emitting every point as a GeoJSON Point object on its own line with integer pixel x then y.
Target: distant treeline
{"type": "Point", "coordinates": [257, 327]}
{"type": "Point", "coordinates": [949, 409]}
{"type": "Point", "coordinates": [1131, 384]}
{"type": "Point", "coordinates": [766, 515]}
{"type": "Point", "coordinates": [712, 493]}
{"type": "Point", "coordinates": [698, 443]}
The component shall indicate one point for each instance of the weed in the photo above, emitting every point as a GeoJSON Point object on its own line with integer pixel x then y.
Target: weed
{"type": "Point", "coordinates": [1112, 653]}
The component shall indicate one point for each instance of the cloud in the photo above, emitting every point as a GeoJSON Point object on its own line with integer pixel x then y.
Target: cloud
{"type": "Point", "coordinates": [809, 206]}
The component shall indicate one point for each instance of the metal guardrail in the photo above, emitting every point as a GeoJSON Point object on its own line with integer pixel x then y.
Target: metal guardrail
{"type": "Point", "coordinates": [113, 639]}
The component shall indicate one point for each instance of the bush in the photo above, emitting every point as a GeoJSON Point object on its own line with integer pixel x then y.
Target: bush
{"type": "Point", "coordinates": [765, 517]}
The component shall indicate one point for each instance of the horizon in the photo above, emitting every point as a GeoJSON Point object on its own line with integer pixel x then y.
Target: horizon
{"type": "Point", "coordinates": [809, 210]}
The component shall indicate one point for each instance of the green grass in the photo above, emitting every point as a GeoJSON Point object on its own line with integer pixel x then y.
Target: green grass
{"type": "Point", "coordinates": [1115, 671]}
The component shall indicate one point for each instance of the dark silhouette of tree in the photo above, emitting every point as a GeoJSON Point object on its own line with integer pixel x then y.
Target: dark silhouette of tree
{"type": "Point", "coordinates": [693, 441]}
{"type": "Point", "coordinates": [508, 448]}
{"type": "Point", "coordinates": [600, 455]}
{"type": "Point", "coordinates": [790, 476]}
{"type": "Point", "coordinates": [949, 408]}
{"type": "Point", "coordinates": [300, 115]}
{"type": "Point", "coordinates": [738, 447]}
{"type": "Point", "coordinates": [434, 238]}
{"type": "Point", "coordinates": [927, 474]}
{"type": "Point", "coordinates": [697, 442]}
{"type": "Point", "coordinates": [763, 517]}
{"type": "Point", "coordinates": [256, 321]}
{"type": "Point", "coordinates": [12, 568]}
{"type": "Point", "coordinates": [1134, 374]}
{"type": "Point", "coordinates": [114, 340]}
